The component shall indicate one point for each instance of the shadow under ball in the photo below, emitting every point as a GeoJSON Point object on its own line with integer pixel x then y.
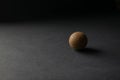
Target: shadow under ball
{"type": "Point", "coordinates": [78, 40]}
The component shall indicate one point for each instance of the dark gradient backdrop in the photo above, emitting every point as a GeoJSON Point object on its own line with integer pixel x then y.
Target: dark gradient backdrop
{"type": "Point", "coordinates": [37, 9]}
{"type": "Point", "coordinates": [34, 40]}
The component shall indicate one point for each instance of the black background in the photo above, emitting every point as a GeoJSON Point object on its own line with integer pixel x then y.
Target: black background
{"type": "Point", "coordinates": [37, 9]}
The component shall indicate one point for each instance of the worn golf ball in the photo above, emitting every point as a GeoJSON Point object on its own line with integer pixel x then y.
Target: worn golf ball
{"type": "Point", "coordinates": [78, 40]}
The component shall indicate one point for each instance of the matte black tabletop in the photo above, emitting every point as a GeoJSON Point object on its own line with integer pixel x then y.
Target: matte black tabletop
{"type": "Point", "coordinates": [40, 51]}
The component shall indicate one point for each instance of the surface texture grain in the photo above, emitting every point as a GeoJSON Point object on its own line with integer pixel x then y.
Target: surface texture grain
{"type": "Point", "coordinates": [40, 51]}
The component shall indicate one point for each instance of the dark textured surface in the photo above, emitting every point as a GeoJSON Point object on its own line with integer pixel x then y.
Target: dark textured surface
{"type": "Point", "coordinates": [40, 51]}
